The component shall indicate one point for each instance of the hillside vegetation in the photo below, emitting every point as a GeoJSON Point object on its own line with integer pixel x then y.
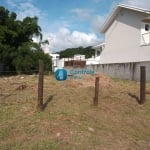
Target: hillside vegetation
{"type": "Point", "coordinates": [70, 52]}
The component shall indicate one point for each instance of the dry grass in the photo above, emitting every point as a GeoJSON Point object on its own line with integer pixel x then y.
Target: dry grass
{"type": "Point", "coordinates": [69, 121]}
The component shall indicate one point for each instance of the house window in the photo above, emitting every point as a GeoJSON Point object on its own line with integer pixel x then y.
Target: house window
{"type": "Point", "coordinates": [98, 53]}
{"type": "Point", "coordinates": [145, 34]}
{"type": "Point", "coordinates": [147, 27]}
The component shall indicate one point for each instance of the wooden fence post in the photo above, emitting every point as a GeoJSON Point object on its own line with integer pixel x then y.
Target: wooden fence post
{"type": "Point", "coordinates": [142, 84]}
{"type": "Point", "coordinates": [40, 86]}
{"type": "Point", "coordinates": [95, 99]}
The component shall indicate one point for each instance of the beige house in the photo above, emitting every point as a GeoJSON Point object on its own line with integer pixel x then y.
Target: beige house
{"type": "Point", "coordinates": [127, 38]}
{"type": "Point", "coordinates": [127, 43]}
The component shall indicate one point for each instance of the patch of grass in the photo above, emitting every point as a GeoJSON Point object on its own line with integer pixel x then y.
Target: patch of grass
{"type": "Point", "coordinates": [11, 146]}
{"type": "Point", "coordinates": [5, 133]}
{"type": "Point", "coordinates": [38, 145]}
{"type": "Point", "coordinates": [69, 120]}
{"type": "Point", "coordinates": [43, 145]}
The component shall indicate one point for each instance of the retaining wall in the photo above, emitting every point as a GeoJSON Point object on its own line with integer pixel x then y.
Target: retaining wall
{"type": "Point", "coordinates": [129, 71]}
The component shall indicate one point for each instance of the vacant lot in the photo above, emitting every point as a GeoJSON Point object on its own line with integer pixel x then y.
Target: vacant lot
{"type": "Point", "coordinates": [69, 121]}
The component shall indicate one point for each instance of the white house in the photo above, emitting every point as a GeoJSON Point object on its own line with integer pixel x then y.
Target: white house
{"type": "Point", "coordinates": [55, 60]}
{"type": "Point", "coordinates": [58, 63]}
{"type": "Point", "coordinates": [127, 38]}
{"type": "Point", "coordinates": [127, 43]}
{"type": "Point", "coordinates": [96, 59]}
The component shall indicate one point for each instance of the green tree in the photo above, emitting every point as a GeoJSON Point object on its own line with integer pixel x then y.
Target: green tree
{"type": "Point", "coordinates": [17, 49]}
{"type": "Point", "coordinates": [70, 52]}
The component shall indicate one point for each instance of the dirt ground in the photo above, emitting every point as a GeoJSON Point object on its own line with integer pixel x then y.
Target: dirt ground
{"type": "Point", "coordinates": [69, 120]}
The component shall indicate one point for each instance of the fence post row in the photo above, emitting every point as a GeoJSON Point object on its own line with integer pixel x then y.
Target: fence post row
{"type": "Point", "coordinates": [95, 103]}
{"type": "Point", "coordinates": [142, 84]}
{"type": "Point", "coordinates": [40, 85]}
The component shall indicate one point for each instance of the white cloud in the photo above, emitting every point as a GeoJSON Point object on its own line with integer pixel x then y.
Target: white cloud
{"type": "Point", "coordinates": [64, 38]}
{"type": "Point", "coordinates": [82, 14]}
{"type": "Point", "coordinates": [61, 37]}
{"type": "Point", "coordinates": [25, 8]}
{"type": "Point", "coordinates": [89, 15]}
{"type": "Point", "coordinates": [97, 21]}
{"type": "Point", "coordinates": [98, 1]}
{"type": "Point", "coordinates": [138, 3]}
{"type": "Point", "coordinates": [11, 3]}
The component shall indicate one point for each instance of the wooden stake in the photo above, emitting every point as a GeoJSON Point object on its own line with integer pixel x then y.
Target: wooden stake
{"type": "Point", "coordinates": [40, 86]}
{"type": "Point", "coordinates": [142, 84]}
{"type": "Point", "coordinates": [95, 102]}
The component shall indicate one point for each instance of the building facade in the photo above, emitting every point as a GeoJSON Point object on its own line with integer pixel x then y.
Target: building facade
{"type": "Point", "coordinates": [127, 43]}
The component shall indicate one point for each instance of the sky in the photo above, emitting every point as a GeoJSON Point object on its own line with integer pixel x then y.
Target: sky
{"type": "Point", "coordinates": [69, 23]}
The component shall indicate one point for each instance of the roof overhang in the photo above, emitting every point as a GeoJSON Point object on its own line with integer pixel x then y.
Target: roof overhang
{"type": "Point", "coordinates": [146, 20]}
{"type": "Point", "coordinates": [114, 13]}
{"type": "Point", "coordinates": [98, 46]}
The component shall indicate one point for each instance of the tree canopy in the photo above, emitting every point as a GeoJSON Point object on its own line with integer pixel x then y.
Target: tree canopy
{"type": "Point", "coordinates": [18, 52]}
{"type": "Point", "coordinates": [70, 52]}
